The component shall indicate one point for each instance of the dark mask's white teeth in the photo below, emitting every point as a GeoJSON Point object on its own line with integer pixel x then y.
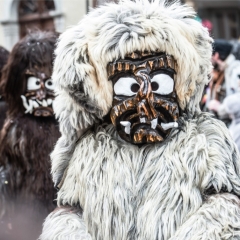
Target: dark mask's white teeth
{"type": "Point", "coordinates": [44, 103]}
{"type": "Point", "coordinates": [35, 104]}
{"type": "Point", "coordinates": [127, 126]}
{"type": "Point", "coordinates": [30, 104]}
{"type": "Point", "coordinates": [167, 126]}
{"type": "Point", "coordinates": [154, 123]}
{"type": "Point", "coordinates": [39, 102]}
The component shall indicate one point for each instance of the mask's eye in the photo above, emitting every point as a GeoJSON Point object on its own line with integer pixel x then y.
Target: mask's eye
{"type": "Point", "coordinates": [33, 83]}
{"type": "Point", "coordinates": [49, 84]}
{"type": "Point", "coordinates": [126, 86]}
{"type": "Point", "coordinates": [162, 84]}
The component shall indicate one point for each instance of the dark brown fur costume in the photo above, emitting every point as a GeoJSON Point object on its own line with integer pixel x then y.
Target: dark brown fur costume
{"type": "Point", "coordinates": [26, 142]}
{"type": "Point", "coordinates": [3, 106]}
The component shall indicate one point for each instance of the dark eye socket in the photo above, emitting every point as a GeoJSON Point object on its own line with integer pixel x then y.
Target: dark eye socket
{"type": "Point", "coordinates": [49, 83]}
{"type": "Point", "coordinates": [155, 86]}
{"type": "Point", "coordinates": [38, 82]}
{"type": "Point", "coordinates": [135, 87]}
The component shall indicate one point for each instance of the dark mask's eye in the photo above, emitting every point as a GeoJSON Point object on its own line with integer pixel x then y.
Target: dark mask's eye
{"type": "Point", "coordinates": [33, 83]}
{"type": "Point", "coordinates": [49, 84]}
{"type": "Point", "coordinates": [162, 84]}
{"type": "Point", "coordinates": [126, 86]}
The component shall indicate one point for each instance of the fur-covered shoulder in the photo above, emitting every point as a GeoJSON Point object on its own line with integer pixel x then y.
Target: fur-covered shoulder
{"type": "Point", "coordinates": [222, 154]}
{"type": "Point", "coordinates": [208, 148]}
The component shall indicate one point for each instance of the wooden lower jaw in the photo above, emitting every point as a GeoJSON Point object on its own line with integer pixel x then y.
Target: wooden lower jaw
{"type": "Point", "coordinates": [146, 136]}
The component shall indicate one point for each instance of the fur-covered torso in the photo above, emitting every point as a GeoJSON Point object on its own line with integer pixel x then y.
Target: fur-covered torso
{"type": "Point", "coordinates": [26, 144]}
{"type": "Point", "coordinates": [127, 192]}
{"type": "Point", "coordinates": [25, 180]}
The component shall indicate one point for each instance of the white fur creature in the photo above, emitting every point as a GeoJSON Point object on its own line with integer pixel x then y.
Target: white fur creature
{"type": "Point", "coordinates": [185, 188]}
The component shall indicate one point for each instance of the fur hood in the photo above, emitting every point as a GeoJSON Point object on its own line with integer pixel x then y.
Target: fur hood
{"type": "Point", "coordinates": [84, 94]}
{"type": "Point", "coordinates": [114, 30]}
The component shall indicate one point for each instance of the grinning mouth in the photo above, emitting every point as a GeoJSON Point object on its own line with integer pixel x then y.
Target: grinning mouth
{"type": "Point", "coordinates": [139, 127]}
{"type": "Point", "coordinates": [154, 123]}
{"type": "Point", "coordinates": [140, 130]}
{"type": "Point", "coordinates": [35, 105]}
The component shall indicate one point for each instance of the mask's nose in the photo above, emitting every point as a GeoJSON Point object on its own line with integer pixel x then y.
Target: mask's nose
{"type": "Point", "coordinates": [145, 106]}
{"type": "Point", "coordinates": [41, 93]}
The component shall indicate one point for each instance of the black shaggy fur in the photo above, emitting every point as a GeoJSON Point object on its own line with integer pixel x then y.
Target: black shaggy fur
{"type": "Point", "coordinates": [3, 106]}
{"type": "Point", "coordinates": [26, 187]}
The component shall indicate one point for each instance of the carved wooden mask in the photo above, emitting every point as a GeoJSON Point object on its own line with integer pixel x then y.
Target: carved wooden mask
{"type": "Point", "coordinates": [145, 107]}
{"type": "Point", "coordinates": [39, 95]}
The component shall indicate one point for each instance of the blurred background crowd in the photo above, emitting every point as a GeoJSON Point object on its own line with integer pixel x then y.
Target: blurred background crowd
{"type": "Point", "coordinates": [220, 17]}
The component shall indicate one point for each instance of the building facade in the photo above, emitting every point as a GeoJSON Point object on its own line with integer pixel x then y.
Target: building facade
{"type": "Point", "coordinates": [19, 16]}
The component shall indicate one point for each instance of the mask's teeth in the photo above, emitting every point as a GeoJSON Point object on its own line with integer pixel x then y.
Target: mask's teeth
{"type": "Point", "coordinates": [27, 105]}
{"type": "Point", "coordinates": [49, 101]}
{"type": "Point", "coordinates": [167, 126]}
{"type": "Point", "coordinates": [154, 123]}
{"type": "Point", "coordinates": [44, 103]}
{"type": "Point", "coordinates": [125, 123]}
{"type": "Point", "coordinates": [39, 102]}
{"type": "Point", "coordinates": [31, 105]}
{"type": "Point", "coordinates": [142, 120]}
{"type": "Point", "coordinates": [127, 126]}
{"type": "Point", "coordinates": [35, 104]}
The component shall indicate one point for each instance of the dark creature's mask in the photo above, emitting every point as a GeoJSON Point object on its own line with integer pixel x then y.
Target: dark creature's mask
{"type": "Point", "coordinates": [145, 107]}
{"type": "Point", "coordinates": [39, 95]}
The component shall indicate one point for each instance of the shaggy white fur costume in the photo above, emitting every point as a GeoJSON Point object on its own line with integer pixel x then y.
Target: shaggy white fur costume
{"type": "Point", "coordinates": [184, 188]}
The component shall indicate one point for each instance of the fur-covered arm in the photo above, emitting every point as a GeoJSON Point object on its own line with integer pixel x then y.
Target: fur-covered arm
{"type": "Point", "coordinates": [74, 108]}
{"type": "Point", "coordinates": [209, 155]}
{"type": "Point", "coordinates": [218, 218]}
{"type": "Point", "coordinates": [222, 165]}
{"type": "Point", "coordinates": [65, 223]}
{"type": "Point", "coordinates": [217, 165]}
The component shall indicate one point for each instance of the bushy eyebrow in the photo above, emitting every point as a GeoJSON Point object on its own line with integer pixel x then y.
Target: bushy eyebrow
{"type": "Point", "coordinates": [129, 66]}
{"type": "Point", "coordinates": [29, 72]}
